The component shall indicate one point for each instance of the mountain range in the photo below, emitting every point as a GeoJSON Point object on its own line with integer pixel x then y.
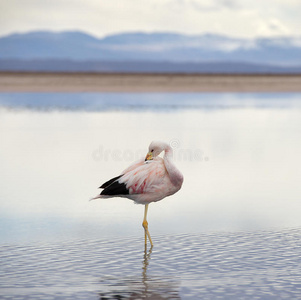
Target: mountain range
{"type": "Point", "coordinates": [148, 52]}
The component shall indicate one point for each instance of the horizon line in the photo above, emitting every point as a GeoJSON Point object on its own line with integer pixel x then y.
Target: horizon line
{"type": "Point", "coordinates": [146, 33]}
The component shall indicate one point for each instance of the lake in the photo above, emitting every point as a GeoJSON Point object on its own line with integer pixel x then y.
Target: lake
{"type": "Point", "coordinates": [233, 230]}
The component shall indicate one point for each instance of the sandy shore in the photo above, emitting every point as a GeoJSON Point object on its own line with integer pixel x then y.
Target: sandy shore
{"type": "Point", "coordinates": [95, 82]}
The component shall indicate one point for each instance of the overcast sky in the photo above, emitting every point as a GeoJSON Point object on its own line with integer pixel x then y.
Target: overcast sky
{"type": "Point", "coordinates": [241, 18]}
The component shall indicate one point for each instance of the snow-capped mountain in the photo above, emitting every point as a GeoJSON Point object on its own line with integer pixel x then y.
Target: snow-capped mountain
{"type": "Point", "coordinates": [170, 48]}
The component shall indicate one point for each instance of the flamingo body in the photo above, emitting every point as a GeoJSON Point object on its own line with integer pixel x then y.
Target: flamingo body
{"type": "Point", "coordinates": [147, 180]}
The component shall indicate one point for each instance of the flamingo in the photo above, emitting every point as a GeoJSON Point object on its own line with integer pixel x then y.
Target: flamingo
{"type": "Point", "coordinates": [147, 180]}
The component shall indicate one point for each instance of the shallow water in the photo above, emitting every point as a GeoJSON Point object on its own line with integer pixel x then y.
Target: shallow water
{"type": "Point", "coordinates": [227, 234]}
{"type": "Point", "coordinates": [261, 265]}
{"type": "Point", "coordinates": [240, 156]}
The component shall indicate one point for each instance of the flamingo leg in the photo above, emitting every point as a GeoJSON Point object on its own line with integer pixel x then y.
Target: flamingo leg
{"type": "Point", "coordinates": [145, 226]}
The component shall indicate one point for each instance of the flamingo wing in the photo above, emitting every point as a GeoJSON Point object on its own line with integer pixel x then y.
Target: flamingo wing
{"type": "Point", "coordinates": [144, 178]}
{"type": "Point", "coordinates": [114, 187]}
{"type": "Point", "coordinates": [109, 182]}
{"type": "Point", "coordinates": [140, 178]}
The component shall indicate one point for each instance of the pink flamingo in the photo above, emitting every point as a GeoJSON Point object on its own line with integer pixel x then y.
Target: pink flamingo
{"type": "Point", "coordinates": [147, 180]}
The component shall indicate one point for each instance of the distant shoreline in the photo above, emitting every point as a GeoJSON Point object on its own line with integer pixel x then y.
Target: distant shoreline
{"type": "Point", "coordinates": [17, 82]}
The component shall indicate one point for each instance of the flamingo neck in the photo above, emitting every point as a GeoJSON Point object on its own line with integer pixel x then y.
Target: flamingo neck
{"type": "Point", "coordinates": [175, 175]}
{"type": "Point", "coordinates": [168, 153]}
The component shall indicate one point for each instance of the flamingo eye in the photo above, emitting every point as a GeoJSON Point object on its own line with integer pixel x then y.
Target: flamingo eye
{"type": "Point", "coordinates": [152, 150]}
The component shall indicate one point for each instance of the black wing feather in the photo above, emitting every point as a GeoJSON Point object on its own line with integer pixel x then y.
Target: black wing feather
{"type": "Point", "coordinates": [106, 184]}
{"type": "Point", "coordinates": [115, 188]}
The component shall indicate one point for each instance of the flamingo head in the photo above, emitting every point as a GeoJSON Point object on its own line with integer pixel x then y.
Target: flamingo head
{"type": "Point", "coordinates": [154, 149]}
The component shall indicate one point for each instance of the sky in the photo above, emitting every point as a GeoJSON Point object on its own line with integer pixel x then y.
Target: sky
{"type": "Point", "coordinates": [239, 18]}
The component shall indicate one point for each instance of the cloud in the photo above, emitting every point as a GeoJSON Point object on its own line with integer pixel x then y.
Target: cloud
{"type": "Point", "coordinates": [246, 18]}
{"type": "Point", "coordinates": [272, 27]}
{"type": "Point", "coordinates": [206, 5]}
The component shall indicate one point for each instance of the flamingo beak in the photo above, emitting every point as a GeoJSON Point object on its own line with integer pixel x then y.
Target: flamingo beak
{"type": "Point", "coordinates": [149, 156]}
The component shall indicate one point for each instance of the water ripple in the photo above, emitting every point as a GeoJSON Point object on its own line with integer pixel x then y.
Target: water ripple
{"type": "Point", "coordinates": [256, 265]}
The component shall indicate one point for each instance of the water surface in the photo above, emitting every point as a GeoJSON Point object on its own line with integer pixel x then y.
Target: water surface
{"type": "Point", "coordinates": [232, 230]}
{"type": "Point", "coordinates": [261, 265]}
